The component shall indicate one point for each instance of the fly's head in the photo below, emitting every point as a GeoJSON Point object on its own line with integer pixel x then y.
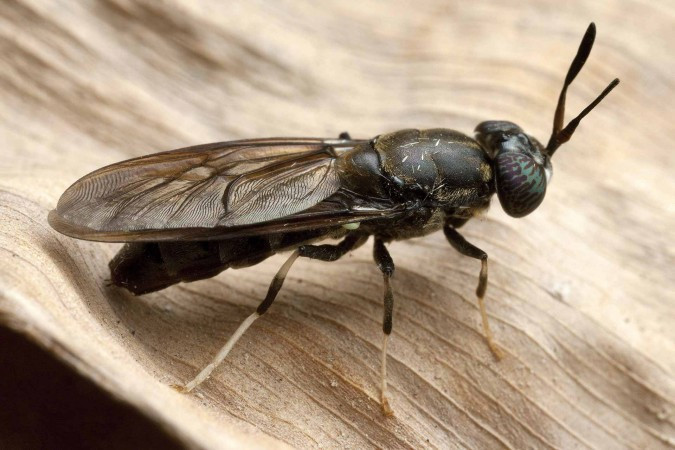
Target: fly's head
{"type": "Point", "coordinates": [522, 165]}
{"type": "Point", "coordinates": [522, 169]}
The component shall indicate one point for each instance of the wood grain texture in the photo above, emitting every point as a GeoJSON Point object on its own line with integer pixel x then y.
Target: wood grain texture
{"type": "Point", "coordinates": [581, 293]}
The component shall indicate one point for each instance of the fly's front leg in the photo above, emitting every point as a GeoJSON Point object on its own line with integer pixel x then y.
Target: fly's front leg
{"type": "Point", "coordinates": [465, 248]}
{"type": "Point", "coordinates": [386, 265]}
{"type": "Point", "coordinates": [322, 252]}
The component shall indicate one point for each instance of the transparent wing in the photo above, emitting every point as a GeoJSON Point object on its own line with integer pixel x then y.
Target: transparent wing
{"type": "Point", "coordinates": [232, 186]}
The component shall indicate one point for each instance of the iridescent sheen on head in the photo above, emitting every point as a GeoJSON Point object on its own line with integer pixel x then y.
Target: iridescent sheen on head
{"type": "Point", "coordinates": [521, 183]}
{"type": "Point", "coordinates": [520, 166]}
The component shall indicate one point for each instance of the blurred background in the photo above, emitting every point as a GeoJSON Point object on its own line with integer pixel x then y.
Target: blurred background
{"type": "Point", "coordinates": [581, 292]}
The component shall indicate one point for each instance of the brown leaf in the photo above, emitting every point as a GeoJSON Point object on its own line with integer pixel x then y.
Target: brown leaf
{"type": "Point", "coordinates": [580, 295]}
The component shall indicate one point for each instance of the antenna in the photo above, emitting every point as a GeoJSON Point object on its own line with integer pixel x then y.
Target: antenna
{"type": "Point", "coordinates": [559, 134]}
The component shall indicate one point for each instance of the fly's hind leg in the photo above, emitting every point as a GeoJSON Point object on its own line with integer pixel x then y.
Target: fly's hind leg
{"type": "Point", "coordinates": [322, 252]}
{"type": "Point", "coordinates": [272, 292]}
{"type": "Point", "coordinates": [386, 265]}
{"type": "Point", "coordinates": [465, 248]}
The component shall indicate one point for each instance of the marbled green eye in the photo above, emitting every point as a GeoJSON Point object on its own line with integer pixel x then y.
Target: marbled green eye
{"type": "Point", "coordinates": [521, 183]}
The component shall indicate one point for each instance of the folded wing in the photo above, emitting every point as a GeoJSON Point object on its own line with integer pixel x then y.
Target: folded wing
{"type": "Point", "coordinates": [237, 187]}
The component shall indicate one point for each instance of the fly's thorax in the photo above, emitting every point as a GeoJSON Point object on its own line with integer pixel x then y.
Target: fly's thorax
{"type": "Point", "coordinates": [419, 222]}
{"type": "Point", "coordinates": [360, 171]}
{"type": "Point", "coordinates": [436, 166]}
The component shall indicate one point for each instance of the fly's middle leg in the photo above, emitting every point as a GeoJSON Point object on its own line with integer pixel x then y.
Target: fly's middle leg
{"type": "Point", "coordinates": [386, 266]}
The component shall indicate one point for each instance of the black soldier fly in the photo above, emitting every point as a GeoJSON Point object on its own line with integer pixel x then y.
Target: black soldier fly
{"type": "Point", "coordinates": [191, 213]}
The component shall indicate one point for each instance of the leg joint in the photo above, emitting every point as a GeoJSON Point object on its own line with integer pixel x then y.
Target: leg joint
{"type": "Point", "coordinates": [328, 252]}
{"type": "Point", "coordinates": [382, 258]}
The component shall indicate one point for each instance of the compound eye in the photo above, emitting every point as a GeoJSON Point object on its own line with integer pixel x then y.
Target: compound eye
{"type": "Point", "coordinates": [521, 183]}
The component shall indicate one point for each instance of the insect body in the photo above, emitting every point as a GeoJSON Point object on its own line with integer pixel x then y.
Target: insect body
{"type": "Point", "coordinates": [189, 214]}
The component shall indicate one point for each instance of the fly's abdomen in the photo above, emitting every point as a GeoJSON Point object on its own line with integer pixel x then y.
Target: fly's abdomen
{"type": "Point", "coordinates": [142, 267]}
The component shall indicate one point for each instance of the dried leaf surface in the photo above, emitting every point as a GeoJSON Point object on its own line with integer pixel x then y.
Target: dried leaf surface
{"type": "Point", "coordinates": [580, 294]}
